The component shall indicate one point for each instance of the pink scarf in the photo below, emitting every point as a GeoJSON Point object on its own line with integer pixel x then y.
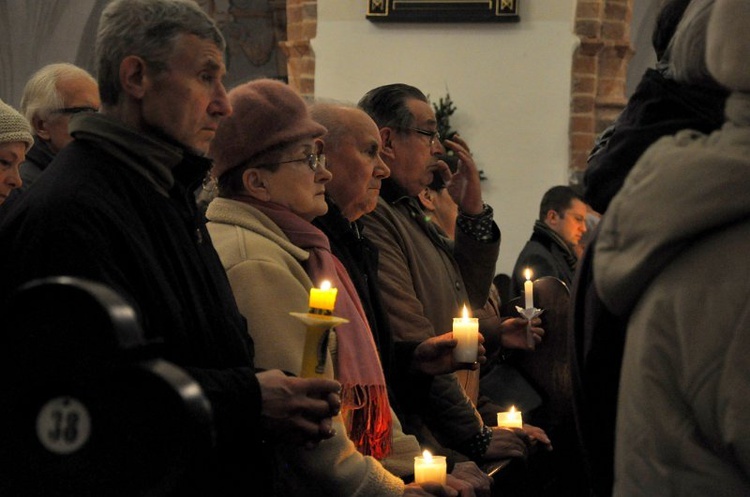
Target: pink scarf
{"type": "Point", "coordinates": [365, 406]}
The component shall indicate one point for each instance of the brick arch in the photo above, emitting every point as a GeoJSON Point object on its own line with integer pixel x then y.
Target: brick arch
{"type": "Point", "coordinates": [302, 23]}
{"type": "Point", "coordinates": [599, 72]}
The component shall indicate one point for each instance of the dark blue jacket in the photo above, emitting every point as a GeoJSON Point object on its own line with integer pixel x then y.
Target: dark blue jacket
{"type": "Point", "coordinates": [546, 254]}
{"type": "Point", "coordinates": [117, 207]}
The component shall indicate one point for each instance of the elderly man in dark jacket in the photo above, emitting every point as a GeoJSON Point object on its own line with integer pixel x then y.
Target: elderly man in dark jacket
{"type": "Point", "coordinates": [116, 206]}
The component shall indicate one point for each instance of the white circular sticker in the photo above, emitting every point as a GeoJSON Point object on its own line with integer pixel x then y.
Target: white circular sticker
{"type": "Point", "coordinates": [63, 425]}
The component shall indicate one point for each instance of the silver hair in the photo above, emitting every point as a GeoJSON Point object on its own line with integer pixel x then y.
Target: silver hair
{"type": "Point", "coordinates": [41, 96]}
{"type": "Point", "coordinates": [147, 29]}
{"type": "Point", "coordinates": [686, 53]}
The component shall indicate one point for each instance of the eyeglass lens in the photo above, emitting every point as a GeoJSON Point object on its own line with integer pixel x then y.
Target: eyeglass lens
{"type": "Point", "coordinates": [434, 135]}
{"type": "Point", "coordinates": [314, 161]}
{"type": "Point", "coordinates": [76, 110]}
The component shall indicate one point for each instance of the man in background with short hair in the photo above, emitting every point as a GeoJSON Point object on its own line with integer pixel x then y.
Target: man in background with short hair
{"type": "Point", "coordinates": [551, 249]}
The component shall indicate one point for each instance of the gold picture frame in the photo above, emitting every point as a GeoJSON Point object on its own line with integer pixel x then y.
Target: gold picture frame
{"type": "Point", "coordinates": [443, 11]}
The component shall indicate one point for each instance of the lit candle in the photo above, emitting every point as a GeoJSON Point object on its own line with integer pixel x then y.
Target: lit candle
{"type": "Point", "coordinates": [429, 468]}
{"type": "Point", "coordinates": [466, 331]}
{"type": "Point", "coordinates": [323, 298]}
{"type": "Point", "coordinates": [510, 419]}
{"type": "Point", "coordinates": [528, 289]}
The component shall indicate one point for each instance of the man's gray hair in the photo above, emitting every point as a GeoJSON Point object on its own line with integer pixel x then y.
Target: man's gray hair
{"type": "Point", "coordinates": [147, 29]}
{"type": "Point", "coordinates": [40, 95]}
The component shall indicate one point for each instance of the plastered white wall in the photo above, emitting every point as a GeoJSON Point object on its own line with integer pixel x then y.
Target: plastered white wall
{"type": "Point", "coordinates": [510, 84]}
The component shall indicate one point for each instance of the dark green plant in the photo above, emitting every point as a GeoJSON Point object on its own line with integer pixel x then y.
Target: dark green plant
{"type": "Point", "coordinates": [444, 109]}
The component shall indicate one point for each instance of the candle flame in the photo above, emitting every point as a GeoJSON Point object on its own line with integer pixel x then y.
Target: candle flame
{"type": "Point", "coordinates": [427, 456]}
{"type": "Point", "coordinates": [528, 273]}
{"type": "Point", "coordinates": [512, 409]}
{"type": "Point", "coordinates": [325, 285]}
{"type": "Point", "coordinates": [465, 313]}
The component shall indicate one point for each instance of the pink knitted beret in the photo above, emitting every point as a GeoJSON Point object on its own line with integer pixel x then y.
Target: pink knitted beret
{"type": "Point", "coordinates": [266, 113]}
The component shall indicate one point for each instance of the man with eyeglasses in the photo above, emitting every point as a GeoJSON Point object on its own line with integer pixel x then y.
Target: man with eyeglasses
{"type": "Point", "coordinates": [551, 250]}
{"type": "Point", "coordinates": [51, 96]}
{"type": "Point", "coordinates": [426, 279]}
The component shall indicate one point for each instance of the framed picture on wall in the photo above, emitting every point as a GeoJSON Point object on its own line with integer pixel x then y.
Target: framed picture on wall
{"type": "Point", "coordinates": [442, 11]}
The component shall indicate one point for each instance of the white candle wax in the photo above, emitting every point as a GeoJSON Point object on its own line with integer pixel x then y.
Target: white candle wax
{"type": "Point", "coordinates": [466, 331]}
{"type": "Point", "coordinates": [430, 468]}
{"type": "Point", "coordinates": [528, 290]}
{"type": "Point", "coordinates": [510, 419]}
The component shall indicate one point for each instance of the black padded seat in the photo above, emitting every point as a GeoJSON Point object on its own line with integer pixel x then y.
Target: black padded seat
{"type": "Point", "coordinates": [88, 406]}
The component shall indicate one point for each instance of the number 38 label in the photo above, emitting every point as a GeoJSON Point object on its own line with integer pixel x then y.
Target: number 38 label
{"type": "Point", "coordinates": [63, 425]}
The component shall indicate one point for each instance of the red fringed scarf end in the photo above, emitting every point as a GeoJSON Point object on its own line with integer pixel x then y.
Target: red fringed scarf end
{"type": "Point", "coordinates": [368, 419]}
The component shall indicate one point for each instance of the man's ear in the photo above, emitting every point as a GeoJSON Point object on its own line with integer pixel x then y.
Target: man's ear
{"type": "Point", "coordinates": [256, 183]}
{"type": "Point", "coordinates": [40, 128]}
{"type": "Point", "coordinates": [133, 76]}
{"type": "Point", "coordinates": [427, 198]}
{"type": "Point", "coordinates": [386, 136]}
{"type": "Point", "coordinates": [552, 217]}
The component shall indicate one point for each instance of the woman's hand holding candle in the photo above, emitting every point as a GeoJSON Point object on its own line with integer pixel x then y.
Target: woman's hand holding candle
{"type": "Point", "coordinates": [434, 355]}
